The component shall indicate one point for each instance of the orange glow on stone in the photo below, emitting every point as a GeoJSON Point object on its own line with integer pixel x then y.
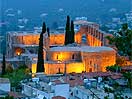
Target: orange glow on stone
{"type": "Point", "coordinates": [18, 51]}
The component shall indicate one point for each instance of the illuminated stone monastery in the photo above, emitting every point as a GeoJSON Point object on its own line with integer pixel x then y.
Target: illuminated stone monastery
{"type": "Point", "coordinates": [89, 52]}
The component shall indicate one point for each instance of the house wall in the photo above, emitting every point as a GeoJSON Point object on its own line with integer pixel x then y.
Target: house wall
{"type": "Point", "coordinates": [98, 61]}
{"type": "Point", "coordinates": [93, 36]}
{"type": "Point", "coordinates": [5, 87]}
{"type": "Point", "coordinates": [81, 94]}
{"type": "Point", "coordinates": [89, 62]}
{"type": "Point", "coordinates": [62, 90]}
{"type": "Point", "coordinates": [53, 68]}
{"type": "Point", "coordinates": [64, 56]}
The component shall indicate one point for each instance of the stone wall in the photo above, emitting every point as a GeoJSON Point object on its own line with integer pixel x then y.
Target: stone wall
{"type": "Point", "coordinates": [98, 61]}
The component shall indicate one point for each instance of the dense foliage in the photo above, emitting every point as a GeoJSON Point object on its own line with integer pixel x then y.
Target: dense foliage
{"type": "Point", "coordinates": [128, 76]}
{"type": "Point", "coordinates": [123, 41]}
{"type": "Point", "coordinates": [7, 97]}
{"type": "Point", "coordinates": [113, 68]}
{"type": "Point", "coordinates": [17, 75]}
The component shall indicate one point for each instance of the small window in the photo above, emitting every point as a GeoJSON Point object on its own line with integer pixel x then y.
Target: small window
{"type": "Point", "coordinates": [90, 62]}
{"type": "Point", "coordinates": [90, 70]}
{"type": "Point", "coordinates": [76, 91]}
{"type": "Point", "coordinates": [57, 57]}
{"type": "Point", "coordinates": [73, 56]}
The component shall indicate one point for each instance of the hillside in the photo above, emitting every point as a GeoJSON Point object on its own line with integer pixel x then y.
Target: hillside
{"type": "Point", "coordinates": [52, 10]}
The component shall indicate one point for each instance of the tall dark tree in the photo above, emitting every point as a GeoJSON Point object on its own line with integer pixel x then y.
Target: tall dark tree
{"type": "Point", "coordinates": [3, 65]}
{"type": "Point", "coordinates": [67, 31]}
{"type": "Point", "coordinates": [40, 62]}
{"type": "Point", "coordinates": [48, 31]}
{"type": "Point", "coordinates": [72, 33]}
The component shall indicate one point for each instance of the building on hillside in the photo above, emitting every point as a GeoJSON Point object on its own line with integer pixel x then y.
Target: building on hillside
{"type": "Point", "coordinates": [88, 53]}
{"type": "Point", "coordinates": [81, 21]}
{"type": "Point", "coordinates": [21, 42]}
{"type": "Point", "coordinates": [27, 41]}
{"type": "Point", "coordinates": [40, 90]}
{"type": "Point", "coordinates": [5, 87]}
{"type": "Point", "coordinates": [77, 59]}
{"type": "Point", "coordinates": [82, 92]}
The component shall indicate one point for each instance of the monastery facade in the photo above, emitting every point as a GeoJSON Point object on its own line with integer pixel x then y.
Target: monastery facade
{"type": "Point", "coordinates": [88, 53]}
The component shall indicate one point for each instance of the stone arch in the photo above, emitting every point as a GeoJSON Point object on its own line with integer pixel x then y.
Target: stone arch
{"type": "Point", "coordinates": [91, 35]}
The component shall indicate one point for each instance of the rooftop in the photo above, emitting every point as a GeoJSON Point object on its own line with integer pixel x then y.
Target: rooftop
{"type": "Point", "coordinates": [65, 48]}
{"type": "Point", "coordinates": [23, 45]}
{"type": "Point", "coordinates": [82, 48]}
{"type": "Point", "coordinates": [43, 85]}
{"type": "Point", "coordinates": [58, 97]}
{"type": "Point", "coordinates": [16, 95]}
{"type": "Point", "coordinates": [98, 92]}
{"type": "Point", "coordinates": [21, 33]}
{"type": "Point", "coordinates": [75, 79]}
{"type": "Point", "coordinates": [4, 80]}
{"type": "Point", "coordinates": [95, 49]}
{"type": "Point", "coordinates": [83, 22]}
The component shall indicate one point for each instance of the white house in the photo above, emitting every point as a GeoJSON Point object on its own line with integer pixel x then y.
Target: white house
{"type": "Point", "coordinates": [39, 90]}
{"type": "Point", "coordinates": [5, 84]}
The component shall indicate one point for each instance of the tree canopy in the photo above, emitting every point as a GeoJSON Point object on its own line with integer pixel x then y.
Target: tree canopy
{"type": "Point", "coordinates": [113, 68]}
{"type": "Point", "coordinates": [123, 41]}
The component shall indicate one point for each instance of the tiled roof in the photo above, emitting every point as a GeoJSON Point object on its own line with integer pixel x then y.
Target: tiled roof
{"type": "Point", "coordinates": [77, 79]}
{"type": "Point", "coordinates": [82, 49]}
{"type": "Point", "coordinates": [16, 95]}
{"type": "Point", "coordinates": [58, 82]}
{"type": "Point", "coordinates": [58, 97]}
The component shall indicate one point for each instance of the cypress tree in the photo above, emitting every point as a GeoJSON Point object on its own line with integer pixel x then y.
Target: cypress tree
{"type": "Point", "coordinates": [40, 62]}
{"type": "Point", "coordinates": [48, 31]}
{"type": "Point", "coordinates": [3, 65]}
{"type": "Point", "coordinates": [72, 32]}
{"type": "Point", "coordinates": [67, 31]}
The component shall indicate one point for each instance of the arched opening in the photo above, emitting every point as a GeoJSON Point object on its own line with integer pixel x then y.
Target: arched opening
{"type": "Point", "coordinates": [73, 56]}
{"type": "Point", "coordinates": [18, 51]}
{"type": "Point", "coordinates": [57, 57]}
{"type": "Point", "coordinates": [84, 39]}
{"type": "Point", "coordinates": [90, 69]}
